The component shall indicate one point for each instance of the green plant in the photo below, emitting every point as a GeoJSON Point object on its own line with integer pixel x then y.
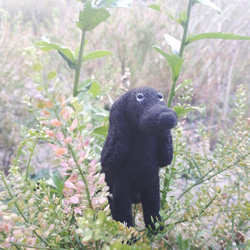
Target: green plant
{"type": "Point", "coordinates": [175, 59]}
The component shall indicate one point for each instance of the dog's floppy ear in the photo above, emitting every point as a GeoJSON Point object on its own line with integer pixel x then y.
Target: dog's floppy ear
{"type": "Point", "coordinates": [165, 149]}
{"type": "Point", "coordinates": [117, 144]}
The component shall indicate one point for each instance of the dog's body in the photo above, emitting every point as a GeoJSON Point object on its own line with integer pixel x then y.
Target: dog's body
{"type": "Point", "coordinates": [139, 141]}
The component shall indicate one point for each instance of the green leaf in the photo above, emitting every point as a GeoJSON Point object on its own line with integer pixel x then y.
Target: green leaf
{"type": "Point", "coordinates": [182, 17]}
{"type": "Point", "coordinates": [51, 75]}
{"type": "Point", "coordinates": [39, 88]}
{"type": "Point", "coordinates": [91, 17]}
{"type": "Point", "coordinates": [210, 4]}
{"type": "Point", "coordinates": [174, 43]}
{"type": "Point", "coordinates": [85, 85]}
{"type": "Point", "coordinates": [175, 63]}
{"type": "Point", "coordinates": [216, 35]}
{"type": "Point", "coordinates": [96, 54]}
{"type": "Point", "coordinates": [180, 111]}
{"type": "Point", "coordinates": [155, 7]}
{"type": "Point", "coordinates": [65, 52]}
{"type": "Point", "coordinates": [95, 88]}
{"type": "Point", "coordinates": [69, 62]}
{"type": "Point", "coordinates": [57, 182]}
{"type": "Point", "coordinates": [88, 234]}
{"type": "Point", "coordinates": [103, 130]}
{"type": "Point", "coordinates": [37, 67]}
{"type": "Point", "coordinates": [113, 3]}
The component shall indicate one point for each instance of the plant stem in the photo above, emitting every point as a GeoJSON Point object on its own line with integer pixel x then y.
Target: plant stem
{"type": "Point", "coordinates": [183, 44]}
{"type": "Point", "coordinates": [171, 94]}
{"type": "Point", "coordinates": [183, 41]}
{"type": "Point", "coordinates": [79, 64]}
{"type": "Point", "coordinates": [31, 154]}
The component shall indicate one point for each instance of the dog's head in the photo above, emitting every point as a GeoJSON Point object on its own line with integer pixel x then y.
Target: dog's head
{"type": "Point", "coordinates": [144, 109]}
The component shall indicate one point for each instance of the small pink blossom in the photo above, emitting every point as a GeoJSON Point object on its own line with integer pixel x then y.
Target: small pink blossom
{"type": "Point", "coordinates": [93, 162]}
{"type": "Point", "coordinates": [60, 136]}
{"type": "Point", "coordinates": [101, 180]}
{"type": "Point", "coordinates": [79, 136]}
{"type": "Point", "coordinates": [73, 178]}
{"type": "Point", "coordinates": [64, 164]}
{"type": "Point", "coordinates": [48, 104]}
{"type": "Point", "coordinates": [68, 184]}
{"type": "Point", "coordinates": [92, 168]}
{"type": "Point", "coordinates": [66, 210]}
{"type": "Point", "coordinates": [89, 125]}
{"type": "Point", "coordinates": [68, 192]}
{"type": "Point", "coordinates": [80, 160]}
{"type": "Point", "coordinates": [91, 179]}
{"type": "Point", "coordinates": [66, 113]}
{"type": "Point", "coordinates": [80, 185]}
{"type": "Point", "coordinates": [8, 226]}
{"type": "Point", "coordinates": [71, 162]}
{"type": "Point", "coordinates": [102, 200]}
{"type": "Point", "coordinates": [50, 133]}
{"type": "Point", "coordinates": [56, 123]}
{"type": "Point", "coordinates": [46, 113]}
{"type": "Point", "coordinates": [106, 208]}
{"type": "Point", "coordinates": [79, 146]}
{"type": "Point", "coordinates": [86, 143]}
{"type": "Point", "coordinates": [83, 153]}
{"type": "Point", "coordinates": [94, 203]}
{"type": "Point", "coordinates": [31, 241]}
{"type": "Point", "coordinates": [73, 125]}
{"type": "Point", "coordinates": [68, 140]}
{"type": "Point", "coordinates": [61, 151]}
{"type": "Point", "coordinates": [51, 227]}
{"type": "Point", "coordinates": [74, 199]}
{"type": "Point", "coordinates": [77, 210]}
{"type": "Point", "coordinates": [44, 123]}
{"type": "Point", "coordinates": [53, 146]}
{"type": "Point", "coordinates": [92, 189]}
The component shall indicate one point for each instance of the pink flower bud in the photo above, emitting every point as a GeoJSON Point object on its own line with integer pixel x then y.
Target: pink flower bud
{"type": "Point", "coordinates": [77, 210]}
{"type": "Point", "coordinates": [56, 123]}
{"type": "Point", "coordinates": [50, 133]}
{"type": "Point", "coordinates": [68, 140]}
{"type": "Point", "coordinates": [74, 199]}
{"type": "Point", "coordinates": [73, 125]}
{"type": "Point", "coordinates": [69, 185]}
{"type": "Point", "coordinates": [61, 151]}
{"type": "Point", "coordinates": [80, 184]}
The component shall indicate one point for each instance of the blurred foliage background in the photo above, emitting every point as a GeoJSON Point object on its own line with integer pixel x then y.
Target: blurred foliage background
{"type": "Point", "coordinates": [216, 66]}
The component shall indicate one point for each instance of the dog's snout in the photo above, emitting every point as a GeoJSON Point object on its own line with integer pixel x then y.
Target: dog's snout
{"type": "Point", "coordinates": [168, 119]}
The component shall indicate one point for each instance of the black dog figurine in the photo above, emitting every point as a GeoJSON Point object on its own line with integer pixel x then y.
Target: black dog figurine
{"type": "Point", "coordinates": [139, 142]}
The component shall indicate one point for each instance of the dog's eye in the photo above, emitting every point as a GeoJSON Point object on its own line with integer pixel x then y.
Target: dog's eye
{"type": "Point", "coordinates": [139, 97]}
{"type": "Point", "coordinates": [160, 96]}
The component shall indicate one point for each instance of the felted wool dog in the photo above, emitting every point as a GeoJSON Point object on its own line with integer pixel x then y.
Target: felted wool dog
{"type": "Point", "coordinates": [139, 142]}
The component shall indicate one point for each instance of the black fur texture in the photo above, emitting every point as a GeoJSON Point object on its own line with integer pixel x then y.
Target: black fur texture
{"type": "Point", "coordinates": [139, 142]}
